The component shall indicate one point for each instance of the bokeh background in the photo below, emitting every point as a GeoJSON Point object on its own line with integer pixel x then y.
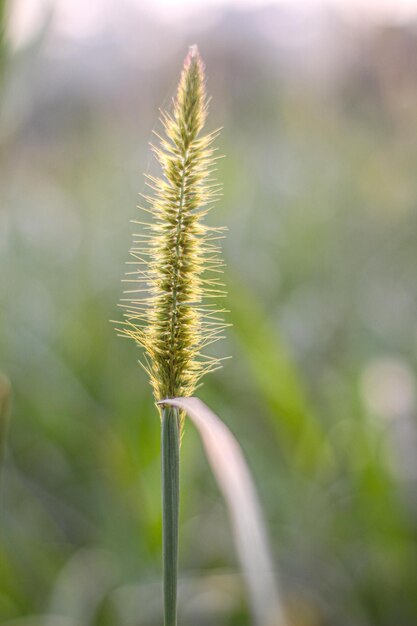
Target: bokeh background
{"type": "Point", "coordinates": [319, 107]}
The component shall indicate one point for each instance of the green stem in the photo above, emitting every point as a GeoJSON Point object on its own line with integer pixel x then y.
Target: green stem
{"type": "Point", "coordinates": [170, 510]}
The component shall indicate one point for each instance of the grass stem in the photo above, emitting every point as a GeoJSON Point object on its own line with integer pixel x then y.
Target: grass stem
{"type": "Point", "coordinates": [170, 510]}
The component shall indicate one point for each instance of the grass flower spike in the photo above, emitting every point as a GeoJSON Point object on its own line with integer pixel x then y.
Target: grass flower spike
{"type": "Point", "coordinates": [171, 313]}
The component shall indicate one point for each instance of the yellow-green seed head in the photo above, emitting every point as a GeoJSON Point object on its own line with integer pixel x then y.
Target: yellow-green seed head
{"type": "Point", "coordinates": [170, 311]}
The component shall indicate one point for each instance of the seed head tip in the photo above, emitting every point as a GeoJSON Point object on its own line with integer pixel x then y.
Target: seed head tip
{"type": "Point", "coordinates": [193, 51]}
{"type": "Point", "coordinates": [193, 56]}
{"type": "Point", "coordinates": [170, 311]}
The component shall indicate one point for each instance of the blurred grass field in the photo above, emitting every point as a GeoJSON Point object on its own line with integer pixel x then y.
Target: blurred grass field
{"type": "Point", "coordinates": [320, 198]}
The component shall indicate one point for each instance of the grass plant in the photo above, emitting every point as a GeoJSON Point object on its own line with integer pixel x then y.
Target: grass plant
{"type": "Point", "coordinates": [170, 309]}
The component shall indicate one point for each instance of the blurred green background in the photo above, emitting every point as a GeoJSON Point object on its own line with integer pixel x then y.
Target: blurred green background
{"type": "Point", "coordinates": [320, 198]}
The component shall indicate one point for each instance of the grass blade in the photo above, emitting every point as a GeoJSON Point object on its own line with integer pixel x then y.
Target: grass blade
{"type": "Point", "coordinates": [299, 430]}
{"type": "Point", "coordinates": [235, 481]}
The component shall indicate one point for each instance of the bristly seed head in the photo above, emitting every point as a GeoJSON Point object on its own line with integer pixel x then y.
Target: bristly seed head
{"type": "Point", "coordinates": [170, 313]}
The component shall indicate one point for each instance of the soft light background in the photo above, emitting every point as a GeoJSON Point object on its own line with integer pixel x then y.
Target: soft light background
{"type": "Point", "coordinates": [319, 107]}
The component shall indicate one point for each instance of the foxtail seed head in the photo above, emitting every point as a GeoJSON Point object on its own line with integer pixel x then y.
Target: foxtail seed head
{"type": "Point", "coordinates": [170, 311]}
